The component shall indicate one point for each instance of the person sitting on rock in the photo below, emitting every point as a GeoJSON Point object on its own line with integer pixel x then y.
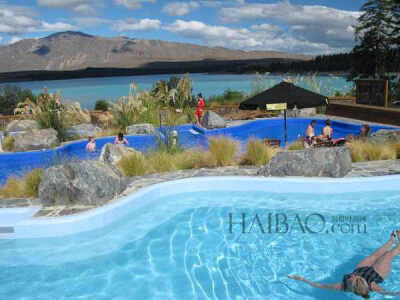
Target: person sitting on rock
{"type": "Point", "coordinates": [121, 140]}
{"type": "Point", "coordinates": [91, 145]}
{"type": "Point", "coordinates": [310, 133]}
{"type": "Point", "coordinates": [327, 131]}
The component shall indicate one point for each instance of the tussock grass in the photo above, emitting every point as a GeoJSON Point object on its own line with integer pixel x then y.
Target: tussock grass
{"type": "Point", "coordinates": [223, 150]}
{"type": "Point", "coordinates": [26, 187]}
{"type": "Point", "coordinates": [8, 143]}
{"type": "Point", "coordinates": [368, 151]}
{"type": "Point", "coordinates": [257, 153]}
{"type": "Point", "coordinates": [297, 145]}
{"type": "Point", "coordinates": [133, 165]}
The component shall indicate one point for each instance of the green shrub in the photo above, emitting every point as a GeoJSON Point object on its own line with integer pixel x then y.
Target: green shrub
{"type": "Point", "coordinates": [223, 150]}
{"type": "Point", "coordinates": [228, 97]}
{"type": "Point", "coordinates": [32, 183]}
{"type": "Point", "coordinates": [257, 153]}
{"type": "Point", "coordinates": [8, 143]}
{"type": "Point", "coordinates": [11, 95]}
{"type": "Point", "coordinates": [102, 105]}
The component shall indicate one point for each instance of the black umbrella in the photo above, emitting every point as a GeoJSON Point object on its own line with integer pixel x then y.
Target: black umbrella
{"type": "Point", "coordinates": [285, 92]}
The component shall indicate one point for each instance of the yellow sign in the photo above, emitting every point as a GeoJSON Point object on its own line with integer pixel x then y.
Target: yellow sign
{"type": "Point", "coordinates": [276, 106]}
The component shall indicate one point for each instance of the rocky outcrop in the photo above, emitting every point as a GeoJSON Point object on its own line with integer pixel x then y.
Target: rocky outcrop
{"type": "Point", "coordinates": [83, 130]}
{"type": "Point", "coordinates": [319, 162]}
{"type": "Point", "coordinates": [112, 154]}
{"type": "Point", "coordinates": [83, 182]}
{"type": "Point", "coordinates": [140, 129]}
{"type": "Point", "coordinates": [212, 120]}
{"type": "Point", "coordinates": [36, 139]}
{"type": "Point", "coordinates": [385, 136]}
{"type": "Point", "coordinates": [21, 125]}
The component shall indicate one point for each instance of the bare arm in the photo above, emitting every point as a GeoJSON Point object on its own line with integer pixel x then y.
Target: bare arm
{"type": "Point", "coordinates": [325, 286]}
{"type": "Point", "coordinates": [378, 289]}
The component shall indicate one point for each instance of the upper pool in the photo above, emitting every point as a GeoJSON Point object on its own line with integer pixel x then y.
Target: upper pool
{"type": "Point", "coordinates": [17, 164]}
{"type": "Point", "coordinates": [185, 240]}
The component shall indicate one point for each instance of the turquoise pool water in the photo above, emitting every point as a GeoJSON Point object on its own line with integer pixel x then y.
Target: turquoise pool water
{"type": "Point", "coordinates": [88, 90]}
{"type": "Point", "coordinates": [175, 242]}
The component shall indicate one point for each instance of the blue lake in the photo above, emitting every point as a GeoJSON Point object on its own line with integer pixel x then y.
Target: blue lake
{"type": "Point", "coordinates": [88, 90]}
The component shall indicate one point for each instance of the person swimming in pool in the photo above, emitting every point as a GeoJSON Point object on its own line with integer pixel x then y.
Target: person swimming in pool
{"type": "Point", "coordinates": [370, 272]}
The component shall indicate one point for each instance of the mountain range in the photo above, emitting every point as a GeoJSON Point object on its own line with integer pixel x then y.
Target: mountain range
{"type": "Point", "coordinates": [67, 51]}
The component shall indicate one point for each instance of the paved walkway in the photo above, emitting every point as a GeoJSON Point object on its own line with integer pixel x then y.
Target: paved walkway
{"type": "Point", "coordinates": [366, 169]}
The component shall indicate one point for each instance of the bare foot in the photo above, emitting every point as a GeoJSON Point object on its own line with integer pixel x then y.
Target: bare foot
{"type": "Point", "coordinates": [393, 236]}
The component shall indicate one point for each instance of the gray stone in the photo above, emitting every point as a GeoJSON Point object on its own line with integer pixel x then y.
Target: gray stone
{"type": "Point", "coordinates": [319, 162]}
{"type": "Point", "coordinates": [83, 130]}
{"type": "Point", "coordinates": [212, 120]}
{"type": "Point", "coordinates": [144, 128]}
{"type": "Point", "coordinates": [385, 136]}
{"type": "Point", "coordinates": [36, 139]}
{"type": "Point", "coordinates": [83, 182]}
{"type": "Point", "coordinates": [301, 113]}
{"type": "Point", "coordinates": [21, 125]}
{"type": "Point", "coordinates": [112, 154]}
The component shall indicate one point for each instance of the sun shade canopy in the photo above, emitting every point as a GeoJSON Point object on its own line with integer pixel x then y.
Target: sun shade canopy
{"type": "Point", "coordinates": [285, 92]}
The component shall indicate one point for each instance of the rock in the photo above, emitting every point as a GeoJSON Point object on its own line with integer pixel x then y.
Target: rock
{"type": "Point", "coordinates": [21, 125]}
{"type": "Point", "coordinates": [319, 162]}
{"type": "Point", "coordinates": [111, 154]}
{"type": "Point", "coordinates": [84, 182]}
{"type": "Point", "coordinates": [83, 130]}
{"type": "Point", "coordinates": [212, 120]}
{"type": "Point", "coordinates": [36, 139]}
{"type": "Point", "coordinates": [385, 136]}
{"type": "Point", "coordinates": [144, 128]}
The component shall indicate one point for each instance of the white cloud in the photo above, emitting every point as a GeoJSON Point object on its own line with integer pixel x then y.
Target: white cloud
{"type": "Point", "coordinates": [14, 40]}
{"type": "Point", "coordinates": [137, 25]}
{"type": "Point", "coordinates": [132, 4]}
{"type": "Point", "coordinates": [79, 6]}
{"type": "Point", "coordinates": [91, 21]}
{"type": "Point", "coordinates": [266, 27]}
{"type": "Point", "coordinates": [312, 23]}
{"type": "Point", "coordinates": [180, 8]}
{"type": "Point", "coordinates": [257, 38]}
{"type": "Point", "coordinates": [19, 20]}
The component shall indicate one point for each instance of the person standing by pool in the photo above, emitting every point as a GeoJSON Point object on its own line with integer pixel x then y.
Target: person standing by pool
{"type": "Point", "coordinates": [199, 111]}
{"type": "Point", "coordinates": [121, 140]}
{"type": "Point", "coordinates": [368, 274]}
{"type": "Point", "coordinates": [91, 145]}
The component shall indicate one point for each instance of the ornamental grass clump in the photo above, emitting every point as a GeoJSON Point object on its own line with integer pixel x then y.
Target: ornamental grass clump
{"type": "Point", "coordinates": [297, 145]}
{"type": "Point", "coordinates": [368, 151]}
{"type": "Point", "coordinates": [133, 165]}
{"type": "Point", "coordinates": [26, 187]}
{"type": "Point", "coordinates": [258, 153]}
{"type": "Point", "coordinates": [8, 143]}
{"type": "Point", "coordinates": [223, 150]}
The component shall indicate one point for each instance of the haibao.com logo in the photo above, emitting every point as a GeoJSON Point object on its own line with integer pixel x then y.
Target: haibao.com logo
{"type": "Point", "coordinates": [281, 223]}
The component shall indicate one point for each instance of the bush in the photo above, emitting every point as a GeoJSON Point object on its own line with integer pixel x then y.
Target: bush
{"type": "Point", "coordinates": [11, 95]}
{"type": "Point", "coordinates": [102, 105]}
{"type": "Point", "coordinates": [223, 150]}
{"type": "Point", "coordinates": [26, 187]}
{"type": "Point", "coordinates": [368, 151]}
{"type": "Point", "coordinates": [8, 143]}
{"type": "Point", "coordinates": [133, 165]}
{"type": "Point", "coordinates": [228, 97]}
{"type": "Point", "coordinates": [258, 153]}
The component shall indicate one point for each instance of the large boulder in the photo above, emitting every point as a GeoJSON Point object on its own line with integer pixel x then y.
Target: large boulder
{"type": "Point", "coordinates": [385, 136]}
{"type": "Point", "coordinates": [144, 128]}
{"type": "Point", "coordinates": [212, 120]}
{"type": "Point", "coordinates": [112, 154]}
{"type": "Point", "coordinates": [83, 130]}
{"type": "Point", "coordinates": [85, 182]}
{"type": "Point", "coordinates": [21, 125]}
{"type": "Point", "coordinates": [36, 139]}
{"type": "Point", "coordinates": [319, 162]}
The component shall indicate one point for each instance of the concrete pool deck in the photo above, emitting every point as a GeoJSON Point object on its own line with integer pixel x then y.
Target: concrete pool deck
{"type": "Point", "coordinates": [364, 169]}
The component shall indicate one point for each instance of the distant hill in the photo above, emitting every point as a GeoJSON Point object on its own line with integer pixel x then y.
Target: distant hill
{"type": "Point", "coordinates": [66, 51]}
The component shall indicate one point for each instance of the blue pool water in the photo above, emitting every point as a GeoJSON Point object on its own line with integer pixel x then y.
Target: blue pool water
{"type": "Point", "coordinates": [177, 244]}
{"type": "Point", "coordinates": [17, 164]}
{"type": "Point", "coordinates": [88, 90]}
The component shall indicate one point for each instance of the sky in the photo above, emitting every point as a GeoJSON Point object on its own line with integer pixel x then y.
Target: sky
{"type": "Point", "coordinates": [296, 26]}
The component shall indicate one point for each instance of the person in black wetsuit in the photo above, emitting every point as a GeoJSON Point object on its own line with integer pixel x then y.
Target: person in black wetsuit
{"type": "Point", "coordinates": [368, 274]}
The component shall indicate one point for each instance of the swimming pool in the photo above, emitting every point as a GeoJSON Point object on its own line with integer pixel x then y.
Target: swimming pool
{"type": "Point", "coordinates": [17, 164]}
{"type": "Point", "coordinates": [183, 240]}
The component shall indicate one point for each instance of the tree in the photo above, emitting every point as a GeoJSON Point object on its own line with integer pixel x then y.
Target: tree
{"type": "Point", "coordinates": [11, 95]}
{"type": "Point", "coordinates": [377, 32]}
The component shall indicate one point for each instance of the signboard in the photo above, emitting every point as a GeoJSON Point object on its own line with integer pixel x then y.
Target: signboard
{"type": "Point", "coordinates": [372, 92]}
{"type": "Point", "coordinates": [276, 106]}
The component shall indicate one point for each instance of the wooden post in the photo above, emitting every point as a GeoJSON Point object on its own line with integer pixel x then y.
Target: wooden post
{"type": "Point", "coordinates": [285, 127]}
{"type": "Point", "coordinates": [387, 93]}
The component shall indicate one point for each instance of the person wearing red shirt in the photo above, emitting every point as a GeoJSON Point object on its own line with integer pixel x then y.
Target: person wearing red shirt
{"type": "Point", "coordinates": [199, 111]}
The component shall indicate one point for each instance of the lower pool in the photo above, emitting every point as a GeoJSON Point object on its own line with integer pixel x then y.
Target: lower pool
{"type": "Point", "coordinates": [208, 238]}
{"type": "Point", "coordinates": [18, 164]}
